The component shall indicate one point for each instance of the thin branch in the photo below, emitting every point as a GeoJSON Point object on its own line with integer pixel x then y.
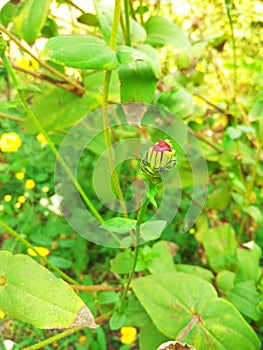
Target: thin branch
{"type": "Point", "coordinates": [209, 143]}
{"type": "Point", "coordinates": [11, 117]}
{"type": "Point", "coordinates": [95, 288]}
{"type": "Point", "coordinates": [40, 75]}
{"type": "Point", "coordinates": [221, 110]}
{"type": "Point", "coordinates": [80, 89]}
{"type": "Point", "coordinates": [74, 5]}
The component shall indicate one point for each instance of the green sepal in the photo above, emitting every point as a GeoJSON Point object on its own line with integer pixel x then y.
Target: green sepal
{"type": "Point", "coordinates": [151, 193]}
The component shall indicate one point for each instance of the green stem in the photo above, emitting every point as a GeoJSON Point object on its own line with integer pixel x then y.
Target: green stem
{"type": "Point", "coordinates": [233, 40]}
{"type": "Point", "coordinates": [53, 339]}
{"type": "Point", "coordinates": [127, 21]}
{"type": "Point", "coordinates": [115, 24]}
{"type": "Point", "coordinates": [141, 12]}
{"type": "Point", "coordinates": [136, 251]}
{"type": "Point", "coordinates": [28, 245]}
{"type": "Point", "coordinates": [50, 143]}
{"type": "Point", "coordinates": [107, 131]}
{"type": "Point", "coordinates": [66, 333]}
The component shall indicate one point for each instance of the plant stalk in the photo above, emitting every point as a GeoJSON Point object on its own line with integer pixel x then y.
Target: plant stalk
{"type": "Point", "coordinates": [50, 143]}
{"type": "Point", "coordinates": [127, 22]}
{"type": "Point", "coordinates": [17, 236]}
{"type": "Point", "coordinates": [136, 251]}
{"type": "Point", "coordinates": [107, 130]}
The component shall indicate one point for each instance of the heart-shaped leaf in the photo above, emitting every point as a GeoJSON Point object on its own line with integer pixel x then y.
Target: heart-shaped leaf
{"type": "Point", "coordinates": [183, 305]}
{"type": "Point", "coordinates": [31, 293]}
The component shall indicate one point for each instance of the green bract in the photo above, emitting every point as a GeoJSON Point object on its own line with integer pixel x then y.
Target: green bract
{"type": "Point", "coordinates": [158, 161]}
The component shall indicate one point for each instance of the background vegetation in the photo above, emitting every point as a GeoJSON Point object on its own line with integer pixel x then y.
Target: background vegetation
{"type": "Point", "coordinates": [200, 60]}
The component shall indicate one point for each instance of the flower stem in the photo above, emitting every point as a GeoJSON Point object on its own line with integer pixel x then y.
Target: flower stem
{"type": "Point", "coordinates": [136, 251]}
{"type": "Point", "coordinates": [50, 143]}
{"type": "Point", "coordinates": [107, 131]}
{"type": "Point", "coordinates": [29, 245]}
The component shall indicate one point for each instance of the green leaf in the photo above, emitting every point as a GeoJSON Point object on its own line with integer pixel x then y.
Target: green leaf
{"type": "Point", "coordinates": [31, 19]}
{"type": "Point", "coordinates": [220, 247]}
{"type": "Point", "coordinates": [117, 320]}
{"type": "Point", "coordinates": [225, 280]}
{"type": "Point", "coordinates": [89, 19]}
{"type": "Point", "coordinates": [246, 298]}
{"type": "Point", "coordinates": [7, 13]}
{"type": "Point", "coordinates": [56, 110]}
{"type": "Point", "coordinates": [151, 230]}
{"type": "Point", "coordinates": [248, 263]}
{"type": "Point", "coordinates": [145, 53]}
{"type": "Point", "coordinates": [150, 338]}
{"type": "Point", "coordinates": [109, 297]}
{"type": "Point", "coordinates": [256, 112]}
{"type": "Point", "coordinates": [178, 301]}
{"type": "Point", "coordinates": [160, 31]}
{"type": "Point", "coordinates": [60, 262]}
{"type": "Point", "coordinates": [179, 102]}
{"type": "Point", "coordinates": [119, 225]}
{"type": "Point", "coordinates": [80, 51]}
{"type": "Point", "coordinates": [219, 199]}
{"type": "Point", "coordinates": [135, 313]}
{"type": "Point", "coordinates": [33, 294]}
{"type": "Point", "coordinates": [138, 82]}
{"type": "Point", "coordinates": [122, 262]}
{"type": "Point", "coordinates": [163, 261]}
{"type": "Point", "coordinates": [197, 271]}
{"type": "Point", "coordinates": [255, 213]}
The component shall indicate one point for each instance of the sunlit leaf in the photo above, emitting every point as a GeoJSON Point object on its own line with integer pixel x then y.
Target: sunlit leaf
{"type": "Point", "coordinates": [31, 293]}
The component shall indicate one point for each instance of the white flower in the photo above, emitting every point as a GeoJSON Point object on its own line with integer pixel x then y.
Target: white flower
{"type": "Point", "coordinates": [8, 344]}
{"type": "Point", "coordinates": [55, 204]}
{"type": "Point", "coordinates": [44, 202]}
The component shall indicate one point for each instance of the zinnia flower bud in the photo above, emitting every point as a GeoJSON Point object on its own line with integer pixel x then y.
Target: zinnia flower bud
{"type": "Point", "coordinates": [159, 160]}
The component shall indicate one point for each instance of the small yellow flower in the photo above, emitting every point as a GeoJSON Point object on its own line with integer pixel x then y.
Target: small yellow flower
{"type": "Point", "coordinates": [41, 138]}
{"type": "Point", "coordinates": [29, 184]}
{"type": "Point", "coordinates": [41, 251]}
{"type": "Point", "coordinates": [18, 205]}
{"type": "Point", "coordinates": [7, 198]}
{"type": "Point", "coordinates": [192, 230]}
{"type": "Point", "coordinates": [10, 142]}
{"type": "Point", "coordinates": [28, 63]}
{"type": "Point", "coordinates": [2, 314]}
{"type": "Point", "coordinates": [128, 335]}
{"type": "Point", "coordinates": [83, 340]}
{"type": "Point", "coordinates": [45, 189]}
{"type": "Point", "coordinates": [199, 120]}
{"type": "Point", "coordinates": [1, 207]}
{"type": "Point", "coordinates": [20, 175]}
{"type": "Point", "coordinates": [21, 199]}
